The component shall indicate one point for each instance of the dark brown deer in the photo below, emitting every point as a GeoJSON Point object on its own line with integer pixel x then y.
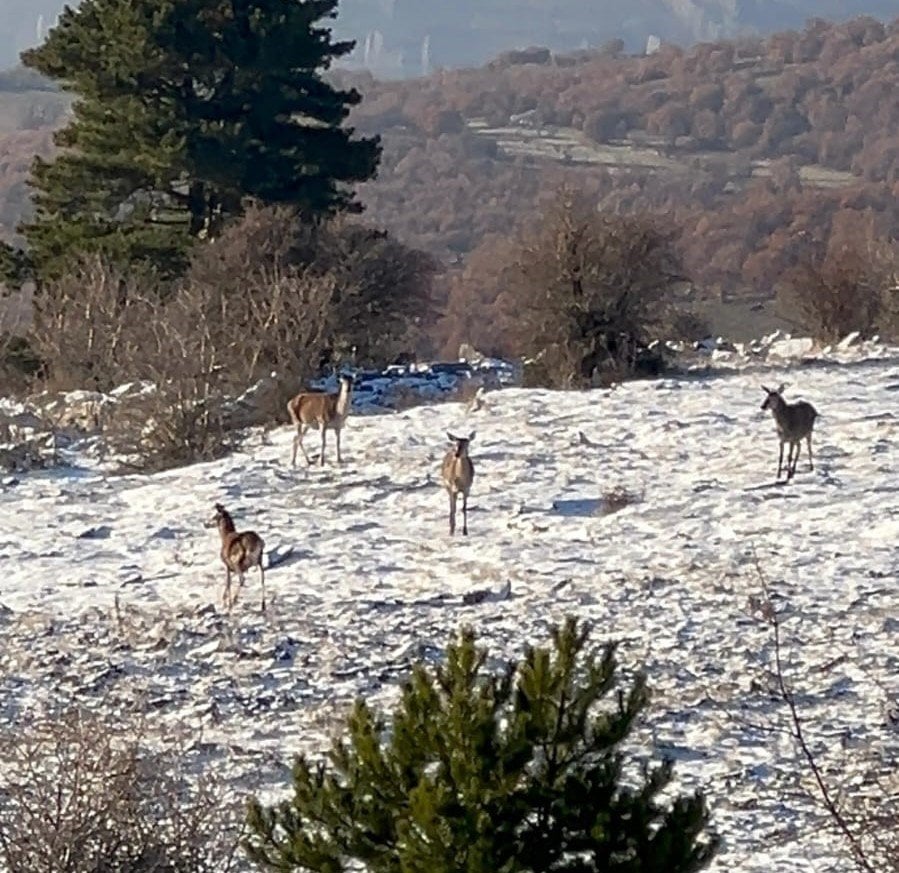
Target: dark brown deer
{"type": "Point", "coordinates": [322, 411]}
{"type": "Point", "coordinates": [240, 552]}
{"type": "Point", "coordinates": [457, 473]}
{"type": "Point", "coordinates": [794, 423]}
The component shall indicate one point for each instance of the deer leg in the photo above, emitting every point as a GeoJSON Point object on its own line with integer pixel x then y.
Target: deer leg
{"type": "Point", "coordinates": [337, 437]}
{"type": "Point", "coordinates": [324, 436]}
{"type": "Point", "coordinates": [465, 513]}
{"type": "Point", "coordinates": [791, 461]}
{"type": "Point", "coordinates": [780, 460]}
{"type": "Point", "coordinates": [811, 464]}
{"type": "Point", "coordinates": [262, 581]}
{"type": "Point", "coordinates": [452, 512]}
{"type": "Point", "coordinates": [301, 430]}
{"type": "Point", "coordinates": [237, 589]}
{"type": "Point", "coordinates": [227, 596]}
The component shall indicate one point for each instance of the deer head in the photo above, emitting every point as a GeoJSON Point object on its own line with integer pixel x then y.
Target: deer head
{"type": "Point", "coordinates": [461, 443]}
{"type": "Point", "coordinates": [773, 398]}
{"type": "Point", "coordinates": [221, 515]}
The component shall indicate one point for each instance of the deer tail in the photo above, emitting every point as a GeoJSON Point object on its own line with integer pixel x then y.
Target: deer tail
{"type": "Point", "coordinates": [292, 411]}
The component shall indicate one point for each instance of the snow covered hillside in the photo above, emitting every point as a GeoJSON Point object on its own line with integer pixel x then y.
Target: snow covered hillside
{"type": "Point", "coordinates": [110, 585]}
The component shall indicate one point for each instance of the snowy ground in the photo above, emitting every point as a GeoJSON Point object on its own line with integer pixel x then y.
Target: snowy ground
{"type": "Point", "coordinates": [366, 579]}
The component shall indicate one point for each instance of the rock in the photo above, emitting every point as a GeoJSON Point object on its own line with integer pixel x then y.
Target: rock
{"type": "Point", "coordinates": [101, 532]}
{"type": "Point", "coordinates": [849, 340]}
{"type": "Point", "coordinates": [789, 347]}
{"type": "Point", "coordinates": [487, 595]}
{"type": "Point", "coordinates": [85, 411]}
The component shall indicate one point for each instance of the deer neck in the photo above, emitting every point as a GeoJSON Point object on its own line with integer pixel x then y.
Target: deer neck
{"type": "Point", "coordinates": [226, 526]}
{"type": "Point", "coordinates": [779, 410]}
{"type": "Point", "coordinates": [344, 398]}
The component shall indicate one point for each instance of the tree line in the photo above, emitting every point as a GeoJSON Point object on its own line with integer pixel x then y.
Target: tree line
{"type": "Point", "coordinates": [159, 172]}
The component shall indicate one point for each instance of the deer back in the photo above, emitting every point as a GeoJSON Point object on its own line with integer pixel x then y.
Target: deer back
{"type": "Point", "coordinates": [312, 408]}
{"type": "Point", "coordinates": [240, 551]}
{"type": "Point", "coordinates": [796, 420]}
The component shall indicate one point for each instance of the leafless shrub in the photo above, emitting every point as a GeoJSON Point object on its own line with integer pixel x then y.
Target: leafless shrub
{"type": "Point", "coordinates": [380, 288]}
{"type": "Point", "coordinates": [868, 823]}
{"type": "Point", "coordinates": [201, 344]}
{"type": "Point", "coordinates": [88, 327]}
{"type": "Point", "coordinates": [586, 292]}
{"type": "Point", "coordinates": [850, 289]}
{"type": "Point", "coordinates": [257, 313]}
{"type": "Point", "coordinates": [617, 498]}
{"type": "Point", "coordinates": [79, 794]}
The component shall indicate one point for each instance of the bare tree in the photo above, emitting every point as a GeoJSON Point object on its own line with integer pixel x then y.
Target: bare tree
{"type": "Point", "coordinates": [86, 325]}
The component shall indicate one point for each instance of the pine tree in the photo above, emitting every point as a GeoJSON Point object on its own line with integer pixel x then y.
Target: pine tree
{"type": "Point", "coordinates": [185, 109]}
{"type": "Point", "coordinates": [485, 772]}
{"type": "Point", "coordinates": [15, 267]}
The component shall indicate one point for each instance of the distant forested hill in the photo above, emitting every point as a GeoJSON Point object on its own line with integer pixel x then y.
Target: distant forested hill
{"type": "Point", "coordinates": [755, 150]}
{"type": "Point", "coordinates": [396, 37]}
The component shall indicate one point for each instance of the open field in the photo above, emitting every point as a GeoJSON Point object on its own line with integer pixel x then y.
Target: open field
{"type": "Point", "coordinates": [111, 585]}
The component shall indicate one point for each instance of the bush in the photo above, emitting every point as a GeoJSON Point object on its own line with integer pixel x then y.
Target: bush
{"type": "Point", "coordinates": [586, 292]}
{"type": "Point", "coordinates": [81, 795]}
{"type": "Point", "coordinates": [846, 290]}
{"type": "Point", "coordinates": [269, 301]}
{"type": "Point", "coordinates": [517, 771]}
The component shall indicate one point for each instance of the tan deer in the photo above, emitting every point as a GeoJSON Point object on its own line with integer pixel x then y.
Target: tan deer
{"type": "Point", "coordinates": [794, 423]}
{"type": "Point", "coordinates": [322, 411]}
{"type": "Point", "coordinates": [457, 473]}
{"type": "Point", "coordinates": [240, 552]}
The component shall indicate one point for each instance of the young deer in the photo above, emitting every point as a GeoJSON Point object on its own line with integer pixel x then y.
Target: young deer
{"type": "Point", "coordinates": [240, 551]}
{"type": "Point", "coordinates": [794, 423]}
{"type": "Point", "coordinates": [322, 411]}
{"type": "Point", "coordinates": [457, 473]}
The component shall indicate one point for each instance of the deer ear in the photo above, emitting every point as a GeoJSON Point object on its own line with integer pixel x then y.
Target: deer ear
{"type": "Point", "coordinates": [766, 389]}
{"type": "Point", "coordinates": [781, 389]}
{"type": "Point", "coordinates": [471, 437]}
{"type": "Point", "coordinates": [450, 437]}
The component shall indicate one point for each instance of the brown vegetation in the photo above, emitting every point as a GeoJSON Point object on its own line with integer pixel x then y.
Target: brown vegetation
{"type": "Point", "coordinates": [763, 147]}
{"type": "Point", "coordinates": [267, 304]}
{"type": "Point", "coordinates": [80, 794]}
{"type": "Point", "coordinates": [584, 293]}
{"type": "Point", "coordinates": [852, 287]}
{"type": "Point", "coordinates": [759, 152]}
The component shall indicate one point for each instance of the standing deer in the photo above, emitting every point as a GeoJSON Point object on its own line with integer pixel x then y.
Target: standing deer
{"type": "Point", "coordinates": [322, 411]}
{"type": "Point", "coordinates": [794, 423]}
{"type": "Point", "coordinates": [457, 473]}
{"type": "Point", "coordinates": [240, 551]}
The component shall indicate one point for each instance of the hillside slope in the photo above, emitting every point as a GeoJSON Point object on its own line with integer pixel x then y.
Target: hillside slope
{"type": "Point", "coordinates": [367, 580]}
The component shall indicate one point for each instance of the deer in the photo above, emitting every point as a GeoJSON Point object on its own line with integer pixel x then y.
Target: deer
{"type": "Point", "coordinates": [794, 423]}
{"type": "Point", "coordinates": [240, 552]}
{"type": "Point", "coordinates": [323, 411]}
{"type": "Point", "coordinates": [457, 473]}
